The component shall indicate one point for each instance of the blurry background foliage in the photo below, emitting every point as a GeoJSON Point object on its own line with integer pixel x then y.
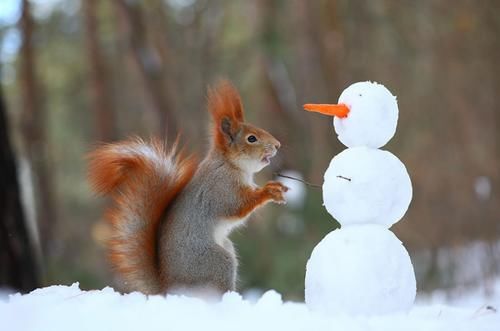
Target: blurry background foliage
{"type": "Point", "coordinates": [106, 70]}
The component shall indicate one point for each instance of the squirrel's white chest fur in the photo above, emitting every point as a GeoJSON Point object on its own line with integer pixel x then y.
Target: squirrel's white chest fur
{"type": "Point", "coordinates": [224, 228]}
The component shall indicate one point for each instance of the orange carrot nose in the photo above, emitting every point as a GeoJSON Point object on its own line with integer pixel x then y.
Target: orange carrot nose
{"type": "Point", "coordinates": [339, 110]}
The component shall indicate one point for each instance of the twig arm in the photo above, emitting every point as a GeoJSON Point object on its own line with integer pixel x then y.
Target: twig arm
{"type": "Point", "coordinates": [297, 179]}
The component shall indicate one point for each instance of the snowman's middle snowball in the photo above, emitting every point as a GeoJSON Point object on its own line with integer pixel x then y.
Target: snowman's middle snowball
{"type": "Point", "coordinates": [365, 185]}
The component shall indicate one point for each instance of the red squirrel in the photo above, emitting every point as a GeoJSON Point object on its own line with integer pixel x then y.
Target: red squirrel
{"type": "Point", "coordinates": [171, 216]}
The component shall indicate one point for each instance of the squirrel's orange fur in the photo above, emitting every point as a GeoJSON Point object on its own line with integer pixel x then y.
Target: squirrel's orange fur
{"type": "Point", "coordinates": [121, 169]}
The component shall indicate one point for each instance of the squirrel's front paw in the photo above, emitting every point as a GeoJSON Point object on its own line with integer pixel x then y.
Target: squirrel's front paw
{"type": "Point", "coordinates": [276, 191]}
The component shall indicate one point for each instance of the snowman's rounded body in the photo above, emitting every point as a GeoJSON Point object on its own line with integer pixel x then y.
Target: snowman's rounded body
{"type": "Point", "coordinates": [363, 268]}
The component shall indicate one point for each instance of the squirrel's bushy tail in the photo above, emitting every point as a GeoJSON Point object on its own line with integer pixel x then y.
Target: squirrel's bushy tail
{"type": "Point", "coordinates": [142, 179]}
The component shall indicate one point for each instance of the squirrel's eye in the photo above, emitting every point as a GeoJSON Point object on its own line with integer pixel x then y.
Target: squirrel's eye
{"type": "Point", "coordinates": [252, 139]}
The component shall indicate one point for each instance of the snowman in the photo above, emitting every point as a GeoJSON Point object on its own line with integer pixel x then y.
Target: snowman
{"type": "Point", "coordinates": [362, 268]}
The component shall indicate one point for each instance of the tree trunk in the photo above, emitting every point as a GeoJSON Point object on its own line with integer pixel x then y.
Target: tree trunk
{"type": "Point", "coordinates": [18, 269]}
{"type": "Point", "coordinates": [98, 80]}
{"type": "Point", "coordinates": [279, 97]}
{"type": "Point", "coordinates": [146, 63]}
{"type": "Point", "coordinates": [33, 120]}
{"type": "Point", "coordinates": [312, 86]}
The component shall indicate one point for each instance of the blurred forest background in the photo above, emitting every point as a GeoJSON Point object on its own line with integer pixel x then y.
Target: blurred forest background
{"type": "Point", "coordinates": [74, 73]}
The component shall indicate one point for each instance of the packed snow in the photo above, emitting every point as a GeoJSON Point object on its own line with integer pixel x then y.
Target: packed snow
{"type": "Point", "coordinates": [372, 118]}
{"type": "Point", "coordinates": [360, 270]}
{"type": "Point", "coordinates": [68, 308]}
{"type": "Point", "coordinates": [365, 185]}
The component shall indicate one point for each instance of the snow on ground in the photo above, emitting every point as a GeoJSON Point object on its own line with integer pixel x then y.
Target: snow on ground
{"type": "Point", "coordinates": [69, 308]}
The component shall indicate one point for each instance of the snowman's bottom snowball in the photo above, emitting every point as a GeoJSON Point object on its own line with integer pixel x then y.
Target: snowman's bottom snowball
{"type": "Point", "coordinates": [360, 269]}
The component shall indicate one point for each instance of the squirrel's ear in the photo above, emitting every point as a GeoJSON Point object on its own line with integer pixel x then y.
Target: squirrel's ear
{"type": "Point", "coordinates": [227, 129]}
{"type": "Point", "coordinates": [224, 104]}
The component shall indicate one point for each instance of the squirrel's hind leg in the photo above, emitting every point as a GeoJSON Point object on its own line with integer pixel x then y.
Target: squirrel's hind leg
{"type": "Point", "coordinates": [213, 272]}
{"type": "Point", "coordinates": [219, 267]}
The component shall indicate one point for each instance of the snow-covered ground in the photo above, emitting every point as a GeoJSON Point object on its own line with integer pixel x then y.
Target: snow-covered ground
{"type": "Point", "coordinates": [69, 308]}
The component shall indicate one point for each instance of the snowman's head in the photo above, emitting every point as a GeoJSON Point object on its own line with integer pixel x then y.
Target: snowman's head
{"type": "Point", "coordinates": [366, 115]}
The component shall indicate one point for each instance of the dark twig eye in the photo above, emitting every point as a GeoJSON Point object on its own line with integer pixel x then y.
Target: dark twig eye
{"type": "Point", "coordinates": [252, 138]}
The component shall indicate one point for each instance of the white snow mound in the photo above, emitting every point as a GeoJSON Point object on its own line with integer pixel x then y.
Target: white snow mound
{"type": "Point", "coordinates": [360, 269]}
{"type": "Point", "coordinates": [63, 308]}
{"type": "Point", "coordinates": [366, 185]}
{"type": "Point", "coordinates": [372, 118]}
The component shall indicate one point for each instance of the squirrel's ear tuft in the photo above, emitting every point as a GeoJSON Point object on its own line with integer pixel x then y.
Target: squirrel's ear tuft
{"type": "Point", "coordinates": [224, 104]}
{"type": "Point", "coordinates": [224, 101]}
